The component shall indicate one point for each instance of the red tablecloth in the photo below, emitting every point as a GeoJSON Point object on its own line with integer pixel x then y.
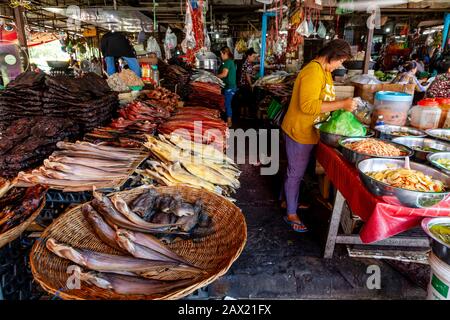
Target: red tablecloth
{"type": "Point", "coordinates": [382, 220]}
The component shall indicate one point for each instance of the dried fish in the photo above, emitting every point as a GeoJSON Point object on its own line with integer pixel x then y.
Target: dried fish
{"type": "Point", "coordinates": [128, 285]}
{"type": "Point", "coordinates": [104, 262]}
{"type": "Point", "coordinates": [123, 208]}
{"type": "Point", "coordinates": [152, 243]}
{"type": "Point", "coordinates": [101, 228]}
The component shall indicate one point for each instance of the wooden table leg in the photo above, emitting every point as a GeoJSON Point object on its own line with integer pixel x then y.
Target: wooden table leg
{"type": "Point", "coordinates": [333, 229]}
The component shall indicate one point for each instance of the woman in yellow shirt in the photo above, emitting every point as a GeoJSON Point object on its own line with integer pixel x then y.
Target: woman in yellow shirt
{"type": "Point", "coordinates": [312, 96]}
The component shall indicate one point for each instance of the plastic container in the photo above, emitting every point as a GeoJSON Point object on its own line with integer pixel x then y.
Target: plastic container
{"type": "Point", "coordinates": [155, 75]}
{"type": "Point", "coordinates": [439, 286]}
{"type": "Point", "coordinates": [426, 115]}
{"type": "Point", "coordinates": [393, 106]}
{"type": "Point", "coordinates": [380, 121]}
{"type": "Point", "coordinates": [444, 104]}
{"type": "Point", "coordinates": [447, 122]}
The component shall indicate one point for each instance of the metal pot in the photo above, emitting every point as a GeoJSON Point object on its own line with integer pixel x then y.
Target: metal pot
{"type": "Point", "coordinates": [385, 132]}
{"type": "Point", "coordinates": [432, 158]}
{"type": "Point", "coordinates": [355, 157]}
{"type": "Point", "coordinates": [415, 143]}
{"type": "Point", "coordinates": [206, 61]}
{"type": "Point", "coordinates": [396, 196]}
{"type": "Point", "coordinates": [332, 139]}
{"type": "Point", "coordinates": [440, 248]}
{"type": "Point", "coordinates": [440, 134]}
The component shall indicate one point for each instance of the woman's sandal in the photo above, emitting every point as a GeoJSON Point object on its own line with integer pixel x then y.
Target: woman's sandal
{"type": "Point", "coordinates": [293, 223]}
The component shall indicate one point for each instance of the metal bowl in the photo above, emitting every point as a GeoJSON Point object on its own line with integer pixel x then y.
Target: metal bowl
{"type": "Point", "coordinates": [440, 134]}
{"type": "Point", "coordinates": [385, 132]}
{"type": "Point", "coordinates": [439, 247]}
{"type": "Point", "coordinates": [439, 155]}
{"type": "Point", "coordinates": [421, 155]}
{"type": "Point", "coordinates": [332, 139]}
{"type": "Point", "coordinates": [355, 157]}
{"type": "Point", "coordinates": [399, 196]}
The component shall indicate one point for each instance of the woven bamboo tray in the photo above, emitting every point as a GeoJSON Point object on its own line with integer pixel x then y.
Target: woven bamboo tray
{"type": "Point", "coordinates": [15, 232]}
{"type": "Point", "coordinates": [214, 253]}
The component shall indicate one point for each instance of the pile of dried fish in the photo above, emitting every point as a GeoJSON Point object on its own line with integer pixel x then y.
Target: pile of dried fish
{"type": "Point", "coordinates": [28, 141]}
{"type": "Point", "coordinates": [175, 78]}
{"type": "Point", "coordinates": [274, 78]}
{"type": "Point", "coordinates": [184, 162]}
{"type": "Point", "coordinates": [161, 97]}
{"type": "Point", "coordinates": [137, 118]}
{"type": "Point", "coordinates": [87, 101]}
{"type": "Point", "coordinates": [207, 94]}
{"type": "Point", "coordinates": [198, 124]}
{"type": "Point", "coordinates": [207, 77]}
{"type": "Point", "coordinates": [82, 165]}
{"type": "Point", "coordinates": [18, 204]}
{"type": "Point", "coordinates": [145, 264]}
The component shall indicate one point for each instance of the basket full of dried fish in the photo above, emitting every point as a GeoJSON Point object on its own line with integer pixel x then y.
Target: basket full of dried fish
{"type": "Point", "coordinates": [146, 243]}
{"type": "Point", "coordinates": [19, 207]}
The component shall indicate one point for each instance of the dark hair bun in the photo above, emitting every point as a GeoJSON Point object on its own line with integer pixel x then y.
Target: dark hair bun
{"type": "Point", "coordinates": [335, 50]}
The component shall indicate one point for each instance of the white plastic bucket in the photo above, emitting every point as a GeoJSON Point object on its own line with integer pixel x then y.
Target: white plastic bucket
{"type": "Point", "coordinates": [439, 286]}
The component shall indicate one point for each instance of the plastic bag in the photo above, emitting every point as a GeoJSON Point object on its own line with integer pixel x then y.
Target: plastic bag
{"type": "Point", "coordinates": [311, 27]}
{"type": "Point", "coordinates": [364, 110]}
{"type": "Point", "coordinates": [170, 43]}
{"type": "Point", "coordinates": [153, 46]}
{"type": "Point", "coordinates": [230, 44]}
{"type": "Point", "coordinates": [207, 40]}
{"type": "Point", "coordinates": [321, 30]}
{"type": "Point", "coordinates": [344, 123]}
{"type": "Point", "coordinates": [303, 29]}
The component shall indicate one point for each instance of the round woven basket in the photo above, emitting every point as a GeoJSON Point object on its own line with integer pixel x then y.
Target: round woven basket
{"type": "Point", "coordinates": [214, 253]}
{"type": "Point", "coordinates": [15, 232]}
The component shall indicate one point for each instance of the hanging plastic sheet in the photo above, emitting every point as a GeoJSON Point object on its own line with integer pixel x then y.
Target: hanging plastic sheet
{"type": "Point", "coordinates": [170, 43]}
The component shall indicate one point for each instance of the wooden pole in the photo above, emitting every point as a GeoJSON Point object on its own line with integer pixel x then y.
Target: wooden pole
{"type": "Point", "coordinates": [20, 25]}
{"type": "Point", "coordinates": [368, 49]}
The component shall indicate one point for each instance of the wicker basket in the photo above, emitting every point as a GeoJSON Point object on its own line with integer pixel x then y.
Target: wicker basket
{"type": "Point", "coordinates": [214, 253]}
{"type": "Point", "coordinates": [15, 232]}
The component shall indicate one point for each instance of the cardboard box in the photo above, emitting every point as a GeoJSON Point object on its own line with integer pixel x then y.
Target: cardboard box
{"type": "Point", "coordinates": [367, 91]}
{"type": "Point", "coordinates": [344, 92]}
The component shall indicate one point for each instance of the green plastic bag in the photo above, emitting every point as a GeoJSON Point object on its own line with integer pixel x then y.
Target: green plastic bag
{"type": "Point", "coordinates": [344, 123]}
{"type": "Point", "coordinates": [273, 109]}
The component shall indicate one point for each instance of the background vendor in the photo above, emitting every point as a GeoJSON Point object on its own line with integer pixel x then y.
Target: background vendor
{"type": "Point", "coordinates": [246, 83]}
{"type": "Point", "coordinates": [312, 96]}
{"type": "Point", "coordinates": [227, 73]}
{"type": "Point", "coordinates": [115, 45]}
{"type": "Point", "coordinates": [409, 76]}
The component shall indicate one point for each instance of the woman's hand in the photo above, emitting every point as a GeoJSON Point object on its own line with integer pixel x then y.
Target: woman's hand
{"type": "Point", "coordinates": [349, 105]}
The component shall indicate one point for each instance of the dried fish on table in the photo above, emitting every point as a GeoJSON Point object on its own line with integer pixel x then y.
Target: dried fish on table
{"type": "Point", "coordinates": [206, 76]}
{"type": "Point", "coordinates": [80, 166]}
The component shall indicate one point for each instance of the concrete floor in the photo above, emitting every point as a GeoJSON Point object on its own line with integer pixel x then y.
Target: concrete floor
{"type": "Point", "coordinates": [278, 263]}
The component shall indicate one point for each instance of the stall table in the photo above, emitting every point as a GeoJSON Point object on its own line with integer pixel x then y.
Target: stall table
{"type": "Point", "coordinates": [382, 221]}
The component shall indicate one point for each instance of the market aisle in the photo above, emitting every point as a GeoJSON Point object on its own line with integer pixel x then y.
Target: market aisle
{"type": "Point", "coordinates": [279, 263]}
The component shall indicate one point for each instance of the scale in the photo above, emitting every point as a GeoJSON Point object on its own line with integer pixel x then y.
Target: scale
{"type": "Point", "coordinates": [12, 59]}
